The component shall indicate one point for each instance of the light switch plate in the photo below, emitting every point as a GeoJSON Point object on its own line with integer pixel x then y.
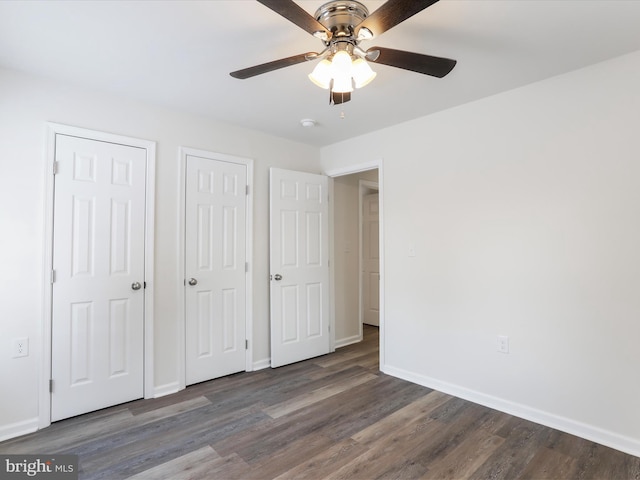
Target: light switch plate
{"type": "Point", "coordinates": [503, 344]}
{"type": "Point", "coordinates": [20, 347]}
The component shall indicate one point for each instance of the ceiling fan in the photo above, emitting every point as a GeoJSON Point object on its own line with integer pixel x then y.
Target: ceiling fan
{"type": "Point", "coordinates": [341, 25]}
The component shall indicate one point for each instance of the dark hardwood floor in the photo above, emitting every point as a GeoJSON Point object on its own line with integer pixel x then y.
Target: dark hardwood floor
{"type": "Point", "coordinates": [334, 416]}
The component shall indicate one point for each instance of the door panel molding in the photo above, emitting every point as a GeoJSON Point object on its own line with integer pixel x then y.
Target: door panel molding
{"type": "Point", "coordinates": [365, 188]}
{"type": "Point", "coordinates": [215, 258]}
{"type": "Point", "coordinates": [183, 153]}
{"type": "Point", "coordinates": [299, 266]}
{"type": "Point", "coordinates": [44, 371]}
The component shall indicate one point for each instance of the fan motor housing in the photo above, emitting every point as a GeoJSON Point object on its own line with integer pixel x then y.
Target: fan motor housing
{"type": "Point", "coordinates": [341, 17]}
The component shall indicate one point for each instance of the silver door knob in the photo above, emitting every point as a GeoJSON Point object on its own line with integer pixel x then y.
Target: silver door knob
{"type": "Point", "coordinates": [136, 286]}
{"type": "Point", "coordinates": [277, 277]}
{"type": "Point", "coordinates": [193, 282]}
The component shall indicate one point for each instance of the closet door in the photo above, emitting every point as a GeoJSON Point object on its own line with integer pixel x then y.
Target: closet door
{"type": "Point", "coordinates": [215, 262]}
{"type": "Point", "coordinates": [98, 285]}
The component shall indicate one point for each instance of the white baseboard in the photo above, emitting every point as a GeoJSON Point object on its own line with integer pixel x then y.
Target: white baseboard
{"type": "Point", "coordinates": [166, 389]}
{"type": "Point", "coordinates": [343, 342]}
{"type": "Point", "coordinates": [262, 364]}
{"type": "Point", "coordinates": [19, 428]}
{"type": "Point", "coordinates": [589, 432]}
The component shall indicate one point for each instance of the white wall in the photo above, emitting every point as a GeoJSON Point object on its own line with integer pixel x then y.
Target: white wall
{"type": "Point", "coordinates": [524, 211]}
{"type": "Point", "coordinates": [26, 104]}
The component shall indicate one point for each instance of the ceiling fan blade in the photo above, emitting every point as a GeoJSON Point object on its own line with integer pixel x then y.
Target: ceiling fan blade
{"type": "Point", "coordinates": [275, 65]}
{"type": "Point", "coordinates": [299, 16]}
{"type": "Point", "coordinates": [391, 14]}
{"type": "Point", "coordinates": [416, 62]}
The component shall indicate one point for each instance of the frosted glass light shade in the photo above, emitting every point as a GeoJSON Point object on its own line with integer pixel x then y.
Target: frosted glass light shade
{"type": "Point", "coordinates": [342, 84]}
{"type": "Point", "coordinates": [321, 75]}
{"type": "Point", "coordinates": [341, 64]}
{"type": "Point", "coordinates": [362, 73]}
{"type": "Point", "coordinates": [341, 72]}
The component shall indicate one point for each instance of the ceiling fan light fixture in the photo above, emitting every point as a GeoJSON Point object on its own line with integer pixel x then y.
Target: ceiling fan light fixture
{"type": "Point", "coordinates": [362, 73]}
{"type": "Point", "coordinates": [341, 73]}
{"type": "Point", "coordinates": [321, 75]}
{"type": "Point", "coordinates": [341, 25]}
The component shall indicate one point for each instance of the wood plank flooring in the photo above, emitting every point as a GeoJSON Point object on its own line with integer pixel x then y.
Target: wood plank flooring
{"type": "Point", "coordinates": [334, 417]}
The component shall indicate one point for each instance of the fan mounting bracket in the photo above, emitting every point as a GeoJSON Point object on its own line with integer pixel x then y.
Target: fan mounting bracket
{"type": "Point", "coordinates": [341, 17]}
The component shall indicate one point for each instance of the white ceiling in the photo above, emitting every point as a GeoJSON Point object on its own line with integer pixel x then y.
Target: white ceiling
{"type": "Point", "coordinates": [179, 54]}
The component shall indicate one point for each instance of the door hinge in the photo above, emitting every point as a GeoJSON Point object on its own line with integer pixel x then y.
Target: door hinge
{"type": "Point", "coordinates": [51, 385]}
{"type": "Point", "coordinates": [55, 167]}
{"type": "Point", "coordinates": [246, 267]}
{"type": "Point", "coordinates": [246, 344]}
{"type": "Point", "coordinates": [144, 284]}
{"type": "Point", "coordinates": [53, 276]}
{"type": "Point", "coordinates": [246, 190]}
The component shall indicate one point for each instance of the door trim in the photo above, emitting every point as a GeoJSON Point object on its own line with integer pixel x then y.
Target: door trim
{"type": "Point", "coordinates": [181, 334]}
{"type": "Point", "coordinates": [348, 170]}
{"type": "Point", "coordinates": [44, 371]}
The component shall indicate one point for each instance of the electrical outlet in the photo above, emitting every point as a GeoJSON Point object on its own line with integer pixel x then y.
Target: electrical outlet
{"type": "Point", "coordinates": [20, 347]}
{"type": "Point", "coordinates": [503, 344]}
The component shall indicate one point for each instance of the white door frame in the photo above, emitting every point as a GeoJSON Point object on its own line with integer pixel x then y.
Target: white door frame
{"type": "Point", "coordinates": [364, 187]}
{"type": "Point", "coordinates": [348, 170]}
{"type": "Point", "coordinates": [44, 372]}
{"type": "Point", "coordinates": [248, 163]}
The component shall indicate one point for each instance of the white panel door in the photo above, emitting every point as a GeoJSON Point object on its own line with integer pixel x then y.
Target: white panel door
{"type": "Point", "coordinates": [299, 263]}
{"type": "Point", "coordinates": [215, 258]}
{"type": "Point", "coordinates": [98, 259]}
{"type": "Point", "coordinates": [370, 260]}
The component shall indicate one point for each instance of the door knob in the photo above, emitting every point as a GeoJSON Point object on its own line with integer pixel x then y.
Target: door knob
{"type": "Point", "coordinates": [277, 277]}
{"type": "Point", "coordinates": [136, 286]}
{"type": "Point", "coordinates": [193, 282]}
